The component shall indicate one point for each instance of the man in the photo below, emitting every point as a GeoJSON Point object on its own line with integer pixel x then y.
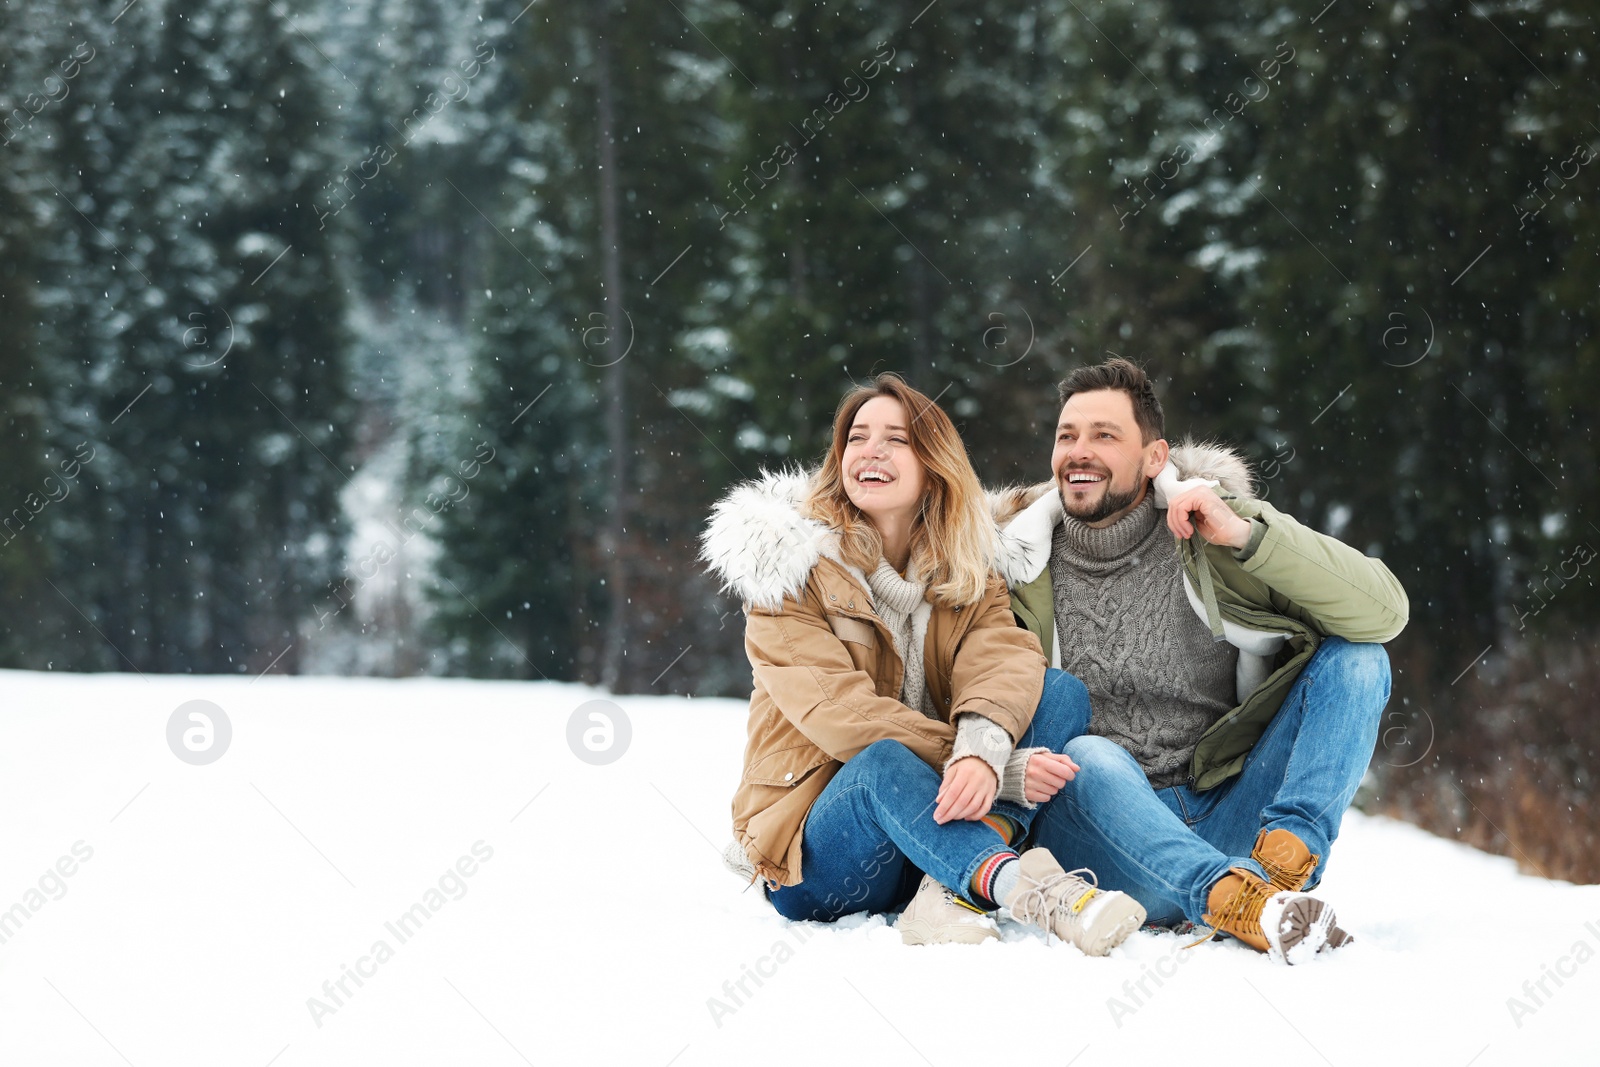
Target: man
{"type": "Point", "coordinates": [1214, 632]}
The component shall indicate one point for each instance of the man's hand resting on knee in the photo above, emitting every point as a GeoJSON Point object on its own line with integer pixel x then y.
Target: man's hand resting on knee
{"type": "Point", "coordinates": [1047, 773]}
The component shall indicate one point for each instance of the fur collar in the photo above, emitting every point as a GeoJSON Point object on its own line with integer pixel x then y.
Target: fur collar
{"type": "Point", "coordinates": [1027, 515]}
{"type": "Point", "coordinates": [759, 544]}
{"type": "Point", "coordinates": [1215, 462]}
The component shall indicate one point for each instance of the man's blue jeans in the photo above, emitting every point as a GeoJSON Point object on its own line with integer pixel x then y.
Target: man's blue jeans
{"type": "Point", "coordinates": [870, 836]}
{"type": "Point", "coordinates": [1168, 847]}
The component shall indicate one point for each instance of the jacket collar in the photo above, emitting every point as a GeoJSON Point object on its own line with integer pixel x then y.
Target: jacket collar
{"type": "Point", "coordinates": [1028, 516]}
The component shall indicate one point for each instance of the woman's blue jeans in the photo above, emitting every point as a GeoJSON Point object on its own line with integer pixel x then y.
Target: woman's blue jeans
{"type": "Point", "coordinates": [870, 836]}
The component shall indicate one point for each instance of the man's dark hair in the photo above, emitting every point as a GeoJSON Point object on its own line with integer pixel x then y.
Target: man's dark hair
{"type": "Point", "coordinates": [1125, 377]}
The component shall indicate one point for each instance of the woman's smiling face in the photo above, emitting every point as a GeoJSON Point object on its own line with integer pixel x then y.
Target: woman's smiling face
{"type": "Point", "coordinates": [881, 474]}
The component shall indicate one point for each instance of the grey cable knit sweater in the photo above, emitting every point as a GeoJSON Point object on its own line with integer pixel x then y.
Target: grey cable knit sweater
{"type": "Point", "coordinates": [1156, 678]}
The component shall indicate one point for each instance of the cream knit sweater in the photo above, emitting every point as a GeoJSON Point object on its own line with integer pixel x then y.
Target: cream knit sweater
{"type": "Point", "coordinates": [903, 606]}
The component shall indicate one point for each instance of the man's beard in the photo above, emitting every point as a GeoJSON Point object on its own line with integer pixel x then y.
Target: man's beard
{"type": "Point", "coordinates": [1110, 503]}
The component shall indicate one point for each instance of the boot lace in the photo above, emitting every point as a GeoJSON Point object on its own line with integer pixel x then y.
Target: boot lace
{"type": "Point", "coordinates": [1049, 894]}
{"type": "Point", "coordinates": [1242, 911]}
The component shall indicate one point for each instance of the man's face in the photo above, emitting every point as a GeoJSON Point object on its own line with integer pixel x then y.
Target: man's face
{"type": "Point", "coordinates": [1100, 462]}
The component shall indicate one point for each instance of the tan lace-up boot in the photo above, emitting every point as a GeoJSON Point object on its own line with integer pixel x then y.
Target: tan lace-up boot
{"type": "Point", "coordinates": [1289, 865]}
{"type": "Point", "coordinates": [1288, 927]}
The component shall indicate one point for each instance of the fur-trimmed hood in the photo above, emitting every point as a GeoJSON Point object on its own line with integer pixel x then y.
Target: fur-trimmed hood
{"type": "Point", "coordinates": [759, 544]}
{"type": "Point", "coordinates": [1028, 515]}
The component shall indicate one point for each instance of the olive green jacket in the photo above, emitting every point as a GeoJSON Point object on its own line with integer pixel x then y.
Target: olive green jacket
{"type": "Point", "coordinates": [1275, 600]}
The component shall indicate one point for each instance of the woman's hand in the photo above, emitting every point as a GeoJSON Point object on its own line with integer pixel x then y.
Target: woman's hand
{"type": "Point", "coordinates": [1047, 773]}
{"type": "Point", "coordinates": [967, 791]}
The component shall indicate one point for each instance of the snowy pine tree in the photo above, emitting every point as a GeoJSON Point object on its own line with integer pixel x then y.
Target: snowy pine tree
{"type": "Point", "coordinates": [194, 304]}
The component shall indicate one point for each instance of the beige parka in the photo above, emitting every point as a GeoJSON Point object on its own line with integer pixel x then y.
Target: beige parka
{"type": "Point", "coordinates": [825, 672]}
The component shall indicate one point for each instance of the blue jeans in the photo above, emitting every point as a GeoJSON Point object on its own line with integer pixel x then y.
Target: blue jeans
{"type": "Point", "coordinates": [1168, 847]}
{"type": "Point", "coordinates": [870, 836]}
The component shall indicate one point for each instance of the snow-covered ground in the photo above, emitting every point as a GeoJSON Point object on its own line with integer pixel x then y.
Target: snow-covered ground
{"type": "Point", "coordinates": [164, 913]}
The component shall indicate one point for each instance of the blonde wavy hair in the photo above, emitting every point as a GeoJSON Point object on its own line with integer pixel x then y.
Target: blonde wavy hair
{"type": "Point", "coordinates": [953, 539]}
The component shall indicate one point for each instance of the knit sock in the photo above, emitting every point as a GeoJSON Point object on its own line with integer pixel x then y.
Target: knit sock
{"type": "Point", "coordinates": [995, 878]}
{"type": "Point", "coordinates": [1007, 827]}
{"type": "Point", "coordinates": [1005, 881]}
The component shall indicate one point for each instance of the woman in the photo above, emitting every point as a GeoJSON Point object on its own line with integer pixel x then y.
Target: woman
{"type": "Point", "coordinates": [893, 689]}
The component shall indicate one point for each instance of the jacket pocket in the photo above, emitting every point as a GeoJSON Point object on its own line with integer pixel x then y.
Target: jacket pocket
{"type": "Point", "coordinates": [786, 767]}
